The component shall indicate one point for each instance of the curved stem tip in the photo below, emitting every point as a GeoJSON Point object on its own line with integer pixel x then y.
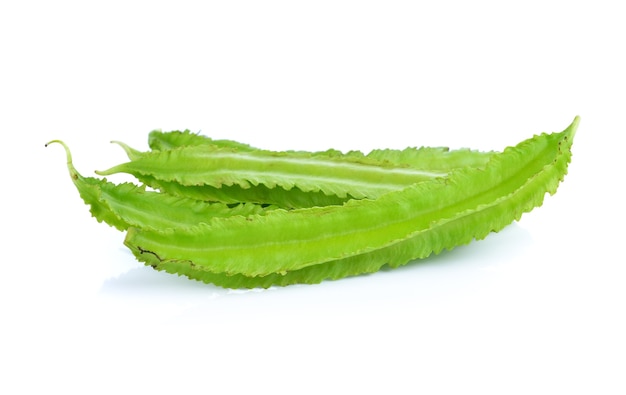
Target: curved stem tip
{"type": "Point", "coordinates": [68, 154]}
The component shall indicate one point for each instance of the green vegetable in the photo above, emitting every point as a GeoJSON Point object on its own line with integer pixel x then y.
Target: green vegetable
{"type": "Point", "coordinates": [216, 167]}
{"type": "Point", "coordinates": [206, 171]}
{"type": "Point", "coordinates": [429, 216]}
{"type": "Point", "coordinates": [125, 205]}
{"type": "Point", "coordinates": [466, 196]}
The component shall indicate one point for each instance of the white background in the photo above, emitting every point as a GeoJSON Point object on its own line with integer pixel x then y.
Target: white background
{"type": "Point", "coordinates": [536, 308]}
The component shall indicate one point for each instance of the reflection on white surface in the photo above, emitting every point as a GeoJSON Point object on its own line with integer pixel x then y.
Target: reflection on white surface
{"type": "Point", "coordinates": [448, 276]}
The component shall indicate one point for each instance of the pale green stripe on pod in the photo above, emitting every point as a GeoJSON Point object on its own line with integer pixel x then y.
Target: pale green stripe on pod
{"type": "Point", "coordinates": [431, 162]}
{"type": "Point", "coordinates": [206, 165]}
{"type": "Point", "coordinates": [424, 158]}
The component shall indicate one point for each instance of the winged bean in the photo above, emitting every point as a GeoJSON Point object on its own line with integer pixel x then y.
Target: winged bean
{"type": "Point", "coordinates": [426, 162]}
{"type": "Point", "coordinates": [399, 226]}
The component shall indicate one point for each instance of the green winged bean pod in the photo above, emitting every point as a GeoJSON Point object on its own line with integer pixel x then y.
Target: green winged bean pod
{"type": "Point", "coordinates": [206, 165]}
{"type": "Point", "coordinates": [430, 162]}
{"type": "Point", "coordinates": [288, 179]}
{"type": "Point", "coordinates": [361, 236]}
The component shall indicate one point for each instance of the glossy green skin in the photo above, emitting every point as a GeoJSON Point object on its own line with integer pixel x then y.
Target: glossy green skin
{"type": "Point", "coordinates": [290, 179]}
{"type": "Point", "coordinates": [310, 245]}
{"type": "Point", "coordinates": [217, 167]}
{"type": "Point", "coordinates": [231, 194]}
